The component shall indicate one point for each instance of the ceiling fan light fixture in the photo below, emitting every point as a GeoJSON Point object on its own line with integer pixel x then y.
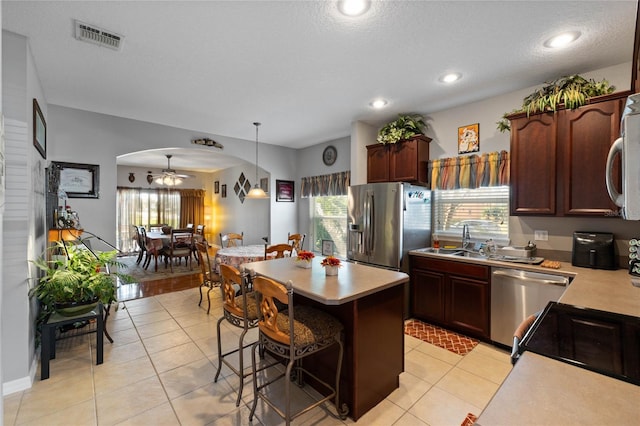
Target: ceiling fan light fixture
{"type": "Point", "coordinates": [256, 193]}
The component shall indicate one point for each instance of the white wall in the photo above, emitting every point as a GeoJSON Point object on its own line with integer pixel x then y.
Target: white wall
{"type": "Point", "coordinates": [23, 218]}
{"type": "Point", "coordinates": [85, 137]}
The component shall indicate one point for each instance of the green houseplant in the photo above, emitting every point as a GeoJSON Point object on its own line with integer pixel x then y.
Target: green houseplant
{"type": "Point", "coordinates": [404, 127]}
{"type": "Point", "coordinates": [81, 278]}
{"type": "Point", "coordinates": [570, 91]}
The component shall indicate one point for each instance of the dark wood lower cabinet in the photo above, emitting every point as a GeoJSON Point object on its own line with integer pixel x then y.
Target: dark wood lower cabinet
{"type": "Point", "coordinates": [451, 294]}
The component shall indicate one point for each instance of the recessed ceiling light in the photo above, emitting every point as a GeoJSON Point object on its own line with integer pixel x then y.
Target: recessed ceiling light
{"type": "Point", "coordinates": [562, 40]}
{"type": "Point", "coordinates": [451, 77]}
{"type": "Point", "coordinates": [378, 103]}
{"type": "Point", "coordinates": [353, 7]}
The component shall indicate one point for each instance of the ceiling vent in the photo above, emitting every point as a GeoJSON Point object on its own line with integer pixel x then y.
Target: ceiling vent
{"type": "Point", "coordinates": [99, 36]}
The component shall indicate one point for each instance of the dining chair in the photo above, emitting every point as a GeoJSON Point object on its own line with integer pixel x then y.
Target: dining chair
{"type": "Point", "coordinates": [157, 227]}
{"type": "Point", "coordinates": [231, 239]}
{"type": "Point", "coordinates": [292, 332]}
{"type": "Point", "coordinates": [152, 249]}
{"type": "Point", "coordinates": [296, 241]}
{"type": "Point", "coordinates": [281, 250]}
{"type": "Point", "coordinates": [209, 278]}
{"type": "Point", "coordinates": [142, 248]}
{"type": "Point", "coordinates": [240, 309]}
{"type": "Point", "coordinates": [180, 246]}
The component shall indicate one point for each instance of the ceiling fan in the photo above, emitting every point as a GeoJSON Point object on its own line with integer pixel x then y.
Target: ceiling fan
{"type": "Point", "coordinates": [169, 176]}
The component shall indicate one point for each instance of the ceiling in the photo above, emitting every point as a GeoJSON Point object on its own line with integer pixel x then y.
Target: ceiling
{"type": "Point", "coordinates": [300, 67]}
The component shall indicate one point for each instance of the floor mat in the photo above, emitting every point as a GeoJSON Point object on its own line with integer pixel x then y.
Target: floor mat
{"type": "Point", "coordinates": [139, 274]}
{"type": "Point", "coordinates": [446, 339]}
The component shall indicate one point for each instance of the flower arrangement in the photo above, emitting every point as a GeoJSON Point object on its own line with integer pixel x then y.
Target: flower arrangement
{"type": "Point", "coordinates": [404, 127]}
{"type": "Point", "coordinates": [305, 255]}
{"type": "Point", "coordinates": [330, 261]}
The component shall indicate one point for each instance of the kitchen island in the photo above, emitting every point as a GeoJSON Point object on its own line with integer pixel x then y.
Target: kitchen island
{"type": "Point", "coordinates": [369, 302]}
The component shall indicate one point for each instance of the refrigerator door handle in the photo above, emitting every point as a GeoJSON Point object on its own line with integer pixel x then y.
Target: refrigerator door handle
{"type": "Point", "coordinates": [372, 216]}
{"type": "Point", "coordinates": [367, 225]}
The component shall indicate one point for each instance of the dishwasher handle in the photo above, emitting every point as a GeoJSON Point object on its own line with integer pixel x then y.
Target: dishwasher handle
{"type": "Point", "coordinates": [520, 275]}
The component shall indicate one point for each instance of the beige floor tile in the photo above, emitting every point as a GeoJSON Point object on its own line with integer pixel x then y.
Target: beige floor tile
{"type": "Point", "coordinates": [385, 413]}
{"type": "Point", "coordinates": [425, 367]}
{"type": "Point", "coordinates": [410, 342]}
{"type": "Point", "coordinates": [161, 415]}
{"type": "Point", "coordinates": [238, 417]}
{"type": "Point", "coordinates": [175, 357]}
{"type": "Point", "coordinates": [192, 318]}
{"type": "Point", "coordinates": [107, 378]}
{"type": "Point", "coordinates": [50, 396]}
{"type": "Point", "coordinates": [411, 390]}
{"type": "Point", "coordinates": [438, 407]}
{"type": "Point", "coordinates": [124, 337]}
{"type": "Point", "coordinates": [439, 353]}
{"type": "Point", "coordinates": [165, 341]}
{"type": "Point", "coordinates": [187, 378]}
{"type": "Point", "coordinates": [115, 354]}
{"type": "Point", "coordinates": [201, 331]}
{"type": "Point", "coordinates": [205, 405]}
{"type": "Point", "coordinates": [130, 401]}
{"type": "Point", "coordinates": [493, 351]}
{"type": "Point", "coordinates": [468, 387]}
{"type": "Point", "coordinates": [11, 404]}
{"type": "Point", "coordinates": [151, 317]}
{"type": "Point", "coordinates": [83, 413]}
{"type": "Point", "coordinates": [156, 328]}
{"type": "Point", "coordinates": [122, 323]}
{"type": "Point", "coordinates": [144, 306]}
{"type": "Point", "coordinates": [486, 366]}
{"type": "Point", "coordinates": [209, 345]}
{"type": "Point", "coordinates": [409, 420]}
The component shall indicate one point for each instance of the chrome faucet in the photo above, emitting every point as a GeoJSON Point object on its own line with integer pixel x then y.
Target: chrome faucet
{"type": "Point", "coordinates": [466, 238]}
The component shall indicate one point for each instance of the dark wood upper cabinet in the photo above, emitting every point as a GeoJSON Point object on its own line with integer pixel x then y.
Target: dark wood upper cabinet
{"type": "Point", "coordinates": [405, 161]}
{"type": "Point", "coordinates": [558, 159]}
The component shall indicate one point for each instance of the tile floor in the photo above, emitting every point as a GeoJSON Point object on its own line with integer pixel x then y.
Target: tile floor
{"type": "Point", "coordinates": [160, 370]}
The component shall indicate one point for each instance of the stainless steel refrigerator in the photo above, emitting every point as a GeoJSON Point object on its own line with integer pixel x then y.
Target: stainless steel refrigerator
{"type": "Point", "coordinates": [385, 221]}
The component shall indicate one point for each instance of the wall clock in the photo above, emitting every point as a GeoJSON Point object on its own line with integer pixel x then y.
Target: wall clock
{"type": "Point", "coordinates": [329, 155]}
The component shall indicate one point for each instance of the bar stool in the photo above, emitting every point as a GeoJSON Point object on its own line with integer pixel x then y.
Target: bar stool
{"type": "Point", "coordinates": [312, 330]}
{"type": "Point", "coordinates": [240, 310]}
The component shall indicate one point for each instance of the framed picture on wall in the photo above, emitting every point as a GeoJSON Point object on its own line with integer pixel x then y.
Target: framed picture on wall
{"type": "Point", "coordinates": [285, 190]}
{"type": "Point", "coordinates": [216, 187]}
{"type": "Point", "coordinates": [264, 184]}
{"type": "Point", "coordinates": [469, 138]}
{"type": "Point", "coordinates": [39, 130]}
{"type": "Point", "coordinates": [77, 180]}
{"type": "Point", "coordinates": [224, 191]}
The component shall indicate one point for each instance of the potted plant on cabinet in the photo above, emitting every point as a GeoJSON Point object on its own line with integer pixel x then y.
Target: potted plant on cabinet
{"type": "Point", "coordinates": [74, 284]}
{"type": "Point", "coordinates": [571, 91]}
{"type": "Point", "coordinates": [406, 126]}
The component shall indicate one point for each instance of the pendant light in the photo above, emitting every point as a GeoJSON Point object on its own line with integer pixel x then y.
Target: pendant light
{"type": "Point", "coordinates": [257, 192]}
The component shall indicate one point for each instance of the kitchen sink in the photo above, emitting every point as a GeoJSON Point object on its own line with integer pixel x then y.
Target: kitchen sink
{"type": "Point", "coordinates": [471, 254]}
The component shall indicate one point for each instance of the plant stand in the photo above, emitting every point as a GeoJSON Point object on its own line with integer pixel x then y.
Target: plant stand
{"type": "Point", "coordinates": [55, 321]}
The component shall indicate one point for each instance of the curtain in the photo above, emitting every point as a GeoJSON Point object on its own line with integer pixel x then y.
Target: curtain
{"type": "Point", "coordinates": [325, 185]}
{"type": "Point", "coordinates": [192, 206]}
{"type": "Point", "coordinates": [470, 172]}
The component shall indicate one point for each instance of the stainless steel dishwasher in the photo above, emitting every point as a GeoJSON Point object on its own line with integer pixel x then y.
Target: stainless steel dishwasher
{"type": "Point", "coordinates": [516, 294]}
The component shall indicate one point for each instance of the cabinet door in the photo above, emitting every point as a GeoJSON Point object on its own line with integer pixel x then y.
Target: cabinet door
{"type": "Point", "coordinates": [533, 165]}
{"type": "Point", "coordinates": [428, 295]}
{"type": "Point", "coordinates": [468, 306]}
{"type": "Point", "coordinates": [586, 134]}
{"type": "Point", "coordinates": [377, 163]}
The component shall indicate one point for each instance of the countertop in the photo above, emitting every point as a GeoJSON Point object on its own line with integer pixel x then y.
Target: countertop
{"type": "Point", "coordinates": [543, 391]}
{"type": "Point", "coordinates": [353, 281]}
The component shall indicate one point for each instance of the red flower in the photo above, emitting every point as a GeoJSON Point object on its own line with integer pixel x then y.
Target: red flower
{"type": "Point", "coordinates": [330, 261]}
{"type": "Point", "coordinates": [305, 255]}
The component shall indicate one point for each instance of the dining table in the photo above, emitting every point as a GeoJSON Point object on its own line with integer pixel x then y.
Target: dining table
{"type": "Point", "coordinates": [236, 256]}
{"type": "Point", "coordinates": [369, 302]}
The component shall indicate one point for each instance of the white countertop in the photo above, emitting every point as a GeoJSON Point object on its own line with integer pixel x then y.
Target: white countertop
{"type": "Point", "coordinates": [353, 281]}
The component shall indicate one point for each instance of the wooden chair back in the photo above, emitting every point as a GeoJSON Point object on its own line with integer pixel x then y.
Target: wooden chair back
{"type": "Point", "coordinates": [296, 241]}
{"type": "Point", "coordinates": [272, 291]}
{"type": "Point", "coordinates": [231, 239]}
{"type": "Point", "coordinates": [231, 281]}
{"type": "Point", "coordinates": [281, 250]}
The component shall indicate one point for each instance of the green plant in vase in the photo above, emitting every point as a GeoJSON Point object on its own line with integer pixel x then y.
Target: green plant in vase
{"type": "Point", "coordinates": [82, 277]}
{"type": "Point", "coordinates": [404, 127]}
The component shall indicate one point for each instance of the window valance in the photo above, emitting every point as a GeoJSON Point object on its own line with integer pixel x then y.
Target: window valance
{"type": "Point", "coordinates": [325, 185]}
{"type": "Point", "coordinates": [472, 171]}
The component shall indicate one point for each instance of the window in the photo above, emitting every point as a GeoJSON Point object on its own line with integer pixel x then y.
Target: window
{"type": "Point", "coordinates": [485, 210]}
{"type": "Point", "coordinates": [329, 222]}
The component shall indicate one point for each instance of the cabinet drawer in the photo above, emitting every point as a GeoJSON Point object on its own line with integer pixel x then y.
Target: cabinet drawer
{"type": "Point", "coordinates": [451, 266]}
